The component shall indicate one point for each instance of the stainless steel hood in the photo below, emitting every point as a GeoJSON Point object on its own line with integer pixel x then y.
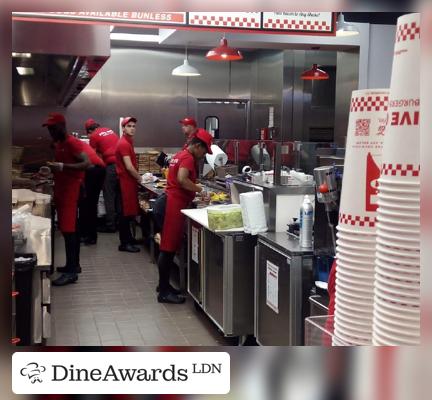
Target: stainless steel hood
{"type": "Point", "coordinates": [58, 60]}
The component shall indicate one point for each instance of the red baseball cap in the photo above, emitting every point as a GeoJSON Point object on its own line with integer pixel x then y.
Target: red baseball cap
{"type": "Point", "coordinates": [188, 121]}
{"type": "Point", "coordinates": [126, 120]}
{"type": "Point", "coordinates": [89, 123]}
{"type": "Point", "coordinates": [203, 135]}
{"type": "Point", "coordinates": [54, 119]}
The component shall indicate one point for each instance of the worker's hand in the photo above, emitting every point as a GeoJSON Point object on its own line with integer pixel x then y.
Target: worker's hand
{"type": "Point", "coordinates": [199, 188]}
{"type": "Point", "coordinates": [139, 179]}
{"type": "Point", "coordinates": [56, 166]}
{"type": "Point", "coordinates": [205, 196]}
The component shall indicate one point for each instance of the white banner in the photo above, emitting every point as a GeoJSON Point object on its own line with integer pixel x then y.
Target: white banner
{"type": "Point", "coordinates": [298, 21]}
{"type": "Point", "coordinates": [121, 373]}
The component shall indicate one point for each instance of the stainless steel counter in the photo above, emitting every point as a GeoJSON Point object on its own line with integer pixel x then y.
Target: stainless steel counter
{"type": "Point", "coordinates": [283, 280]}
{"type": "Point", "coordinates": [285, 243]}
{"type": "Point", "coordinates": [221, 274]}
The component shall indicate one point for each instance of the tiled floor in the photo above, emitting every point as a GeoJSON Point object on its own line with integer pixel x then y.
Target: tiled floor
{"type": "Point", "coordinates": [114, 303]}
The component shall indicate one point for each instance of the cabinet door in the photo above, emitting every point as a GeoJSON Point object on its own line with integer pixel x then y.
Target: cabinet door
{"type": "Point", "coordinates": [214, 276]}
{"type": "Point", "coordinates": [274, 313]}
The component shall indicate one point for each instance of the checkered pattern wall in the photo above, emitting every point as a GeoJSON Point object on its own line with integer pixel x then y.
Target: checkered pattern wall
{"type": "Point", "coordinates": [282, 23]}
{"type": "Point", "coordinates": [221, 20]}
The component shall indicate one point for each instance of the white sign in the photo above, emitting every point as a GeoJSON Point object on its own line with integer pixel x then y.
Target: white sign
{"type": "Point", "coordinates": [239, 20]}
{"type": "Point", "coordinates": [272, 298]}
{"type": "Point", "coordinates": [195, 245]}
{"type": "Point", "coordinates": [121, 373]}
{"type": "Point", "coordinates": [298, 21]}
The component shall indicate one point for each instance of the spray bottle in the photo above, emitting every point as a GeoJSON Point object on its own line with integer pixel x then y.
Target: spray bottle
{"type": "Point", "coordinates": [306, 223]}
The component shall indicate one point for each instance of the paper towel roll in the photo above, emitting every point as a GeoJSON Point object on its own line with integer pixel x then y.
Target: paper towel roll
{"type": "Point", "coordinates": [218, 158]}
{"type": "Point", "coordinates": [253, 214]}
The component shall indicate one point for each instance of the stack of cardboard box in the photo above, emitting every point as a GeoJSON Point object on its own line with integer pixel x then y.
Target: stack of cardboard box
{"type": "Point", "coordinates": [147, 162]}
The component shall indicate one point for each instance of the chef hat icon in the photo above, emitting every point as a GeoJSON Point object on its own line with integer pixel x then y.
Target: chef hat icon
{"type": "Point", "coordinates": [33, 371]}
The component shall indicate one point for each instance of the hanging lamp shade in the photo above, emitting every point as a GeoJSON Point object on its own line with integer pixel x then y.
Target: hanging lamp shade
{"type": "Point", "coordinates": [314, 74]}
{"type": "Point", "coordinates": [224, 53]}
{"type": "Point", "coordinates": [185, 70]}
{"type": "Point", "coordinates": [344, 28]}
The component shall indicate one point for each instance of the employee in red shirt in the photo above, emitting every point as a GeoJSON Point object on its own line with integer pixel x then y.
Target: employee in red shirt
{"type": "Point", "coordinates": [93, 183]}
{"type": "Point", "coordinates": [104, 141]}
{"type": "Point", "coordinates": [180, 191]}
{"type": "Point", "coordinates": [129, 178]}
{"type": "Point", "coordinates": [189, 129]}
{"type": "Point", "coordinates": [69, 166]}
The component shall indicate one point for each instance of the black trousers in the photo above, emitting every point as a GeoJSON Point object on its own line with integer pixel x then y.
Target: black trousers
{"type": "Point", "coordinates": [111, 196]}
{"type": "Point", "coordinates": [165, 262]}
{"type": "Point", "coordinates": [125, 233]}
{"type": "Point", "coordinates": [93, 183]}
{"type": "Point", "coordinates": [72, 248]}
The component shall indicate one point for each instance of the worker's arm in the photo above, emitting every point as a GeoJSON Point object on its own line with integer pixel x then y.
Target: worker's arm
{"type": "Point", "coordinates": [83, 163]}
{"type": "Point", "coordinates": [185, 182]}
{"type": "Point", "coordinates": [131, 169]}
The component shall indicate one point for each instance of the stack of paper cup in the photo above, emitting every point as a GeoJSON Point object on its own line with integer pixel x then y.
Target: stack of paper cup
{"type": "Point", "coordinates": [397, 283]}
{"type": "Point", "coordinates": [356, 236]}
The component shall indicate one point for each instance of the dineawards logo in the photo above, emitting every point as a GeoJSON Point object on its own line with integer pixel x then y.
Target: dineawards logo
{"type": "Point", "coordinates": [33, 371]}
{"type": "Point", "coordinates": [121, 373]}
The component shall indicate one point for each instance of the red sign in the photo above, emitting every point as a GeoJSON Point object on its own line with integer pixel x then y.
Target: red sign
{"type": "Point", "coordinates": [139, 17]}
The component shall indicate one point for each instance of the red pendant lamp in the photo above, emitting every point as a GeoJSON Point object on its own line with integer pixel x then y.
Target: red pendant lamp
{"type": "Point", "coordinates": [224, 53]}
{"type": "Point", "coordinates": [314, 74]}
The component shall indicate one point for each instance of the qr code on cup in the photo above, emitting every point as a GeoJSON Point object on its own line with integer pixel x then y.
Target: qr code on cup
{"type": "Point", "coordinates": [362, 127]}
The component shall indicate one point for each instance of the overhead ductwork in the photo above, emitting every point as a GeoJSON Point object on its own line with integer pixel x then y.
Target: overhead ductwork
{"type": "Point", "coordinates": [53, 62]}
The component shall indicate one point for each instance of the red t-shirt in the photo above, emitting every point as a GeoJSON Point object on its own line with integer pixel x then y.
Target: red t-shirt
{"type": "Point", "coordinates": [93, 157]}
{"type": "Point", "coordinates": [183, 159]}
{"type": "Point", "coordinates": [104, 141]}
{"type": "Point", "coordinates": [124, 148]}
{"type": "Point", "coordinates": [68, 152]}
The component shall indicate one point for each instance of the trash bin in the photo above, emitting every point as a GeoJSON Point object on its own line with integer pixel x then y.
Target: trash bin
{"type": "Point", "coordinates": [24, 265]}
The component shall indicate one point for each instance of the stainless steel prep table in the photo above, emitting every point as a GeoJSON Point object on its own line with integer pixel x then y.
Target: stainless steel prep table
{"type": "Point", "coordinates": [221, 273]}
{"type": "Point", "coordinates": [42, 246]}
{"type": "Point", "coordinates": [283, 280]}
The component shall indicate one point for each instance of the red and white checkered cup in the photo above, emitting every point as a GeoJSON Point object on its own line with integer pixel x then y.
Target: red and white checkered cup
{"type": "Point", "coordinates": [367, 121]}
{"type": "Point", "coordinates": [401, 151]}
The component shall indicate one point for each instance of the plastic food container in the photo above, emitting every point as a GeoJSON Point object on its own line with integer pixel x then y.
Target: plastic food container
{"type": "Point", "coordinates": [223, 217]}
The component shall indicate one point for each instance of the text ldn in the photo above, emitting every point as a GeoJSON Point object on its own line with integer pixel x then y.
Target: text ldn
{"type": "Point", "coordinates": [205, 368]}
{"type": "Point", "coordinates": [72, 374]}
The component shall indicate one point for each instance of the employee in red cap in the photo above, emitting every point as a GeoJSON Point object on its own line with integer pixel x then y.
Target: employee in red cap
{"type": "Point", "coordinates": [189, 129]}
{"type": "Point", "coordinates": [129, 178]}
{"type": "Point", "coordinates": [180, 191]}
{"type": "Point", "coordinates": [104, 140]}
{"type": "Point", "coordinates": [69, 166]}
{"type": "Point", "coordinates": [93, 183]}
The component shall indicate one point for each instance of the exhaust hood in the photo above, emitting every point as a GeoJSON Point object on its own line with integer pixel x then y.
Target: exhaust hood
{"type": "Point", "coordinates": [52, 63]}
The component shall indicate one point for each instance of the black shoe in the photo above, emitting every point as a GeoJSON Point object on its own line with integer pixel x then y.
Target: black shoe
{"type": "Point", "coordinates": [106, 229]}
{"type": "Point", "coordinates": [65, 279]}
{"type": "Point", "coordinates": [134, 242]}
{"type": "Point", "coordinates": [129, 248]}
{"type": "Point", "coordinates": [172, 290]}
{"type": "Point", "coordinates": [88, 241]}
{"type": "Point", "coordinates": [66, 270]}
{"type": "Point", "coordinates": [171, 298]}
